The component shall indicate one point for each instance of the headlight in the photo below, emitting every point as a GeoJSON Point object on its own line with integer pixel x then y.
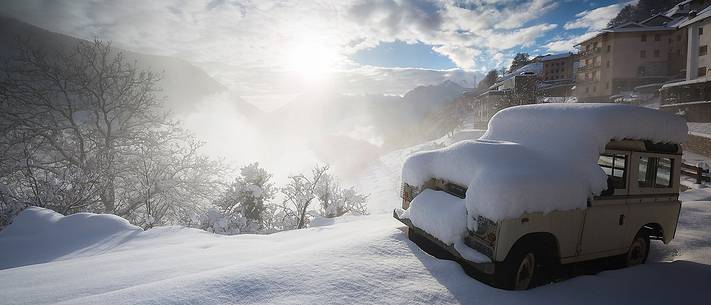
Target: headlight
{"type": "Point", "coordinates": [407, 193]}
{"type": "Point", "coordinates": [486, 230]}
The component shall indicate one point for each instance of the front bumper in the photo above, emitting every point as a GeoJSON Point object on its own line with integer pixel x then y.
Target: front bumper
{"type": "Point", "coordinates": [480, 270]}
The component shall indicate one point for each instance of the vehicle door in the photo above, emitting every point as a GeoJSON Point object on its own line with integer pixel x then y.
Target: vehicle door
{"type": "Point", "coordinates": [604, 228]}
{"type": "Point", "coordinates": [653, 196]}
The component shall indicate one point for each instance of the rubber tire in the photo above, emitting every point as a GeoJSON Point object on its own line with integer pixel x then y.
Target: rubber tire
{"type": "Point", "coordinates": [505, 272]}
{"type": "Point", "coordinates": [643, 237]}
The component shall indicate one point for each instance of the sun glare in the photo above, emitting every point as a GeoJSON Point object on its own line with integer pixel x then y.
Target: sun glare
{"type": "Point", "coordinates": [311, 62]}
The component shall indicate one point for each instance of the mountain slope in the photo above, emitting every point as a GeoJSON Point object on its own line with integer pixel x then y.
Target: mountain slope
{"type": "Point", "coordinates": [183, 84]}
{"type": "Point", "coordinates": [424, 99]}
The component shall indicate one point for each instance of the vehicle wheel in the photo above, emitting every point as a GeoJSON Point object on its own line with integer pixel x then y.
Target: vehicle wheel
{"type": "Point", "coordinates": [525, 267]}
{"type": "Point", "coordinates": [639, 250]}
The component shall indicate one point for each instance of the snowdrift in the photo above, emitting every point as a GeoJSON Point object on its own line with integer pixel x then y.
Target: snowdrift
{"type": "Point", "coordinates": [39, 235]}
{"type": "Point", "coordinates": [538, 158]}
{"type": "Point", "coordinates": [365, 260]}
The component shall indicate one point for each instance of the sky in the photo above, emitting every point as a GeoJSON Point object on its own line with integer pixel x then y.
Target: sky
{"type": "Point", "coordinates": [270, 52]}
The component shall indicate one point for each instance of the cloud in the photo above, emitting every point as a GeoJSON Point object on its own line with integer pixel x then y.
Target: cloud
{"type": "Point", "coordinates": [595, 19]}
{"type": "Point", "coordinates": [249, 45]}
{"type": "Point", "coordinates": [591, 21]}
{"type": "Point", "coordinates": [567, 44]}
{"type": "Point", "coordinates": [460, 30]}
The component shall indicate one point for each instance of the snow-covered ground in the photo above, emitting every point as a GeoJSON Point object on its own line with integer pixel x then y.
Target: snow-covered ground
{"type": "Point", "coordinates": [352, 259]}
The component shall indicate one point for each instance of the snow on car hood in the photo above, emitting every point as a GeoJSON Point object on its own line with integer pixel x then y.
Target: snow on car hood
{"type": "Point", "coordinates": [540, 158]}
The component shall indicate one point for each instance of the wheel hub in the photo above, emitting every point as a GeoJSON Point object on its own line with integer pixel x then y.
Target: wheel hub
{"type": "Point", "coordinates": [525, 272]}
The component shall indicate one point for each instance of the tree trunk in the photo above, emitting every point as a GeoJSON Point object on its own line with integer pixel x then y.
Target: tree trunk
{"type": "Point", "coordinates": [108, 197]}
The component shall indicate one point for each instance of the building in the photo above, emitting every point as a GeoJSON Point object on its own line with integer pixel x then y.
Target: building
{"type": "Point", "coordinates": [691, 95]}
{"type": "Point", "coordinates": [559, 67]}
{"type": "Point", "coordinates": [634, 54]}
{"type": "Point", "coordinates": [557, 75]}
{"type": "Point", "coordinates": [513, 90]}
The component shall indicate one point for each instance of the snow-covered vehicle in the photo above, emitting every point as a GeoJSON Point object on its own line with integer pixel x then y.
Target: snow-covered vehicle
{"type": "Point", "coordinates": [548, 185]}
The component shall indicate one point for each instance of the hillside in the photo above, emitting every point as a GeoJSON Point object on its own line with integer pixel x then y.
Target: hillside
{"type": "Point", "coordinates": [365, 259]}
{"type": "Point", "coordinates": [183, 84]}
{"type": "Point", "coordinates": [89, 259]}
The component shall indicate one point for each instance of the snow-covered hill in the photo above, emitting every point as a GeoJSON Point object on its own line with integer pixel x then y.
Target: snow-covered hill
{"type": "Point", "coordinates": [363, 260]}
{"type": "Point", "coordinates": [101, 259]}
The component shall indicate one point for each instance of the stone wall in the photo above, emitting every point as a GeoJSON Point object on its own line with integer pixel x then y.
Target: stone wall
{"type": "Point", "coordinates": [698, 144]}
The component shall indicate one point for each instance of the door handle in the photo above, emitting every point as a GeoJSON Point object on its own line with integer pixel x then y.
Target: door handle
{"type": "Point", "coordinates": [621, 221]}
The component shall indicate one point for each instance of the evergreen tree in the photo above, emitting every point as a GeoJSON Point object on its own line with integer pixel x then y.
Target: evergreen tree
{"type": "Point", "coordinates": [520, 60]}
{"type": "Point", "coordinates": [642, 10]}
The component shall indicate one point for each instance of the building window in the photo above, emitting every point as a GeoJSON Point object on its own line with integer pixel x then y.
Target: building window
{"type": "Point", "coordinates": [594, 88]}
{"type": "Point", "coordinates": [701, 30]}
{"type": "Point", "coordinates": [609, 47]}
{"type": "Point", "coordinates": [657, 37]}
{"type": "Point", "coordinates": [703, 50]}
{"type": "Point", "coordinates": [656, 53]}
{"type": "Point", "coordinates": [644, 37]}
{"type": "Point", "coordinates": [701, 71]}
{"type": "Point", "coordinates": [607, 64]}
{"type": "Point", "coordinates": [643, 54]}
{"type": "Point", "coordinates": [641, 70]}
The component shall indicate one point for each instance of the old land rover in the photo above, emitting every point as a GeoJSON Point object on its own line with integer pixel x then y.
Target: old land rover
{"type": "Point", "coordinates": [640, 204]}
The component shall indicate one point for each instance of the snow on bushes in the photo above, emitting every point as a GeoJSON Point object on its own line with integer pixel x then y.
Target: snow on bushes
{"type": "Point", "coordinates": [539, 158]}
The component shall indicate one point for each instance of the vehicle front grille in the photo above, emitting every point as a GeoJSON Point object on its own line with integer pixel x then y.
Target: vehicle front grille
{"type": "Point", "coordinates": [479, 246]}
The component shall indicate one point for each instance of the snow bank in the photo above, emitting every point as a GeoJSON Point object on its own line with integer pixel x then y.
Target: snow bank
{"type": "Point", "coordinates": [369, 261]}
{"type": "Point", "coordinates": [540, 158]}
{"type": "Point", "coordinates": [39, 235]}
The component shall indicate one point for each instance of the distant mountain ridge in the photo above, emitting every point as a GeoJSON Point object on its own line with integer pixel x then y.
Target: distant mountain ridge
{"type": "Point", "coordinates": [183, 83]}
{"type": "Point", "coordinates": [424, 99]}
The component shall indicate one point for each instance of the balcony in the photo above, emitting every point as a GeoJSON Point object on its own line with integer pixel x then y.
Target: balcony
{"type": "Point", "coordinates": [587, 53]}
{"type": "Point", "coordinates": [588, 67]}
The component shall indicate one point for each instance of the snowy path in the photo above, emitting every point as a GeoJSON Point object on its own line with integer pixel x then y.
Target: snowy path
{"type": "Point", "coordinates": [356, 260]}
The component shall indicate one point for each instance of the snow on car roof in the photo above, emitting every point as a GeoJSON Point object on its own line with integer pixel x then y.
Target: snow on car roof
{"type": "Point", "coordinates": [540, 158]}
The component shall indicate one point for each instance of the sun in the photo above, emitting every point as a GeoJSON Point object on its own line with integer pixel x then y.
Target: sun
{"type": "Point", "coordinates": [310, 61]}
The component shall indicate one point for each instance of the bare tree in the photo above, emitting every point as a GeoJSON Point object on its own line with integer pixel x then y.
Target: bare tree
{"type": "Point", "coordinates": [300, 192]}
{"type": "Point", "coordinates": [336, 201]}
{"type": "Point", "coordinates": [83, 130]}
{"type": "Point", "coordinates": [317, 195]}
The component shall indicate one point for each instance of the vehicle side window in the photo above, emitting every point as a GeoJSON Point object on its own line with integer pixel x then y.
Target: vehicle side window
{"type": "Point", "coordinates": [645, 175]}
{"type": "Point", "coordinates": [614, 166]}
{"type": "Point", "coordinates": [664, 172]}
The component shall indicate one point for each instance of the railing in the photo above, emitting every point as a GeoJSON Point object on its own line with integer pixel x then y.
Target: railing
{"type": "Point", "coordinates": [701, 174]}
{"type": "Point", "coordinates": [585, 53]}
{"type": "Point", "coordinates": [588, 67]}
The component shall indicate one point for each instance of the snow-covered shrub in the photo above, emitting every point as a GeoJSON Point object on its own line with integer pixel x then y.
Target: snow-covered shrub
{"type": "Point", "coordinates": [9, 211]}
{"type": "Point", "coordinates": [245, 205]}
{"type": "Point", "coordinates": [316, 195]}
{"type": "Point", "coordinates": [336, 201]}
